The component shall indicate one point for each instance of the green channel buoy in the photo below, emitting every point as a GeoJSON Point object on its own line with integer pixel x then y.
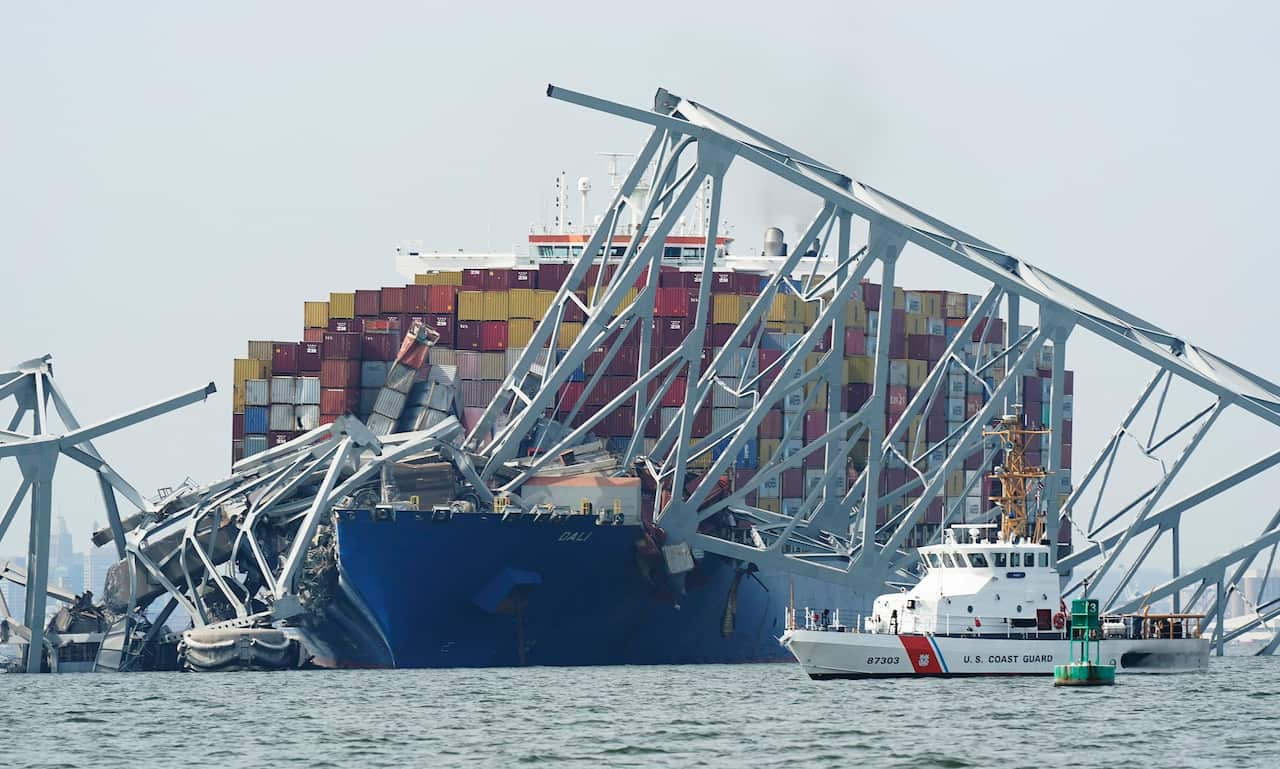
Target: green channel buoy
{"type": "Point", "coordinates": [1086, 649]}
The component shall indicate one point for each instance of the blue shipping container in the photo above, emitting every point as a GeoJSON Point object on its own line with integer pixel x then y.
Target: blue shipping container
{"type": "Point", "coordinates": [256, 420]}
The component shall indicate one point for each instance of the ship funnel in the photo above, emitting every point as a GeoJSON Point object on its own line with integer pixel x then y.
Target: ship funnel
{"type": "Point", "coordinates": [774, 245]}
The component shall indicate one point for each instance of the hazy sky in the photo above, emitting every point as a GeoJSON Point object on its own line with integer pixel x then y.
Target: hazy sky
{"type": "Point", "coordinates": [175, 180]}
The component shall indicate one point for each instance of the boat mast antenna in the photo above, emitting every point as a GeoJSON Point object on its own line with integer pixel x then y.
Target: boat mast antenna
{"type": "Point", "coordinates": [1017, 479]}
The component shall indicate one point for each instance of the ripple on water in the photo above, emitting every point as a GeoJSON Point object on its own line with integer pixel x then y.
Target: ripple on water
{"type": "Point", "coordinates": [713, 716]}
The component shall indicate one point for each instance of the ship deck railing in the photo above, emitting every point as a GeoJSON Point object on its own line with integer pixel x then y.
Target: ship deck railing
{"type": "Point", "coordinates": [962, 626]}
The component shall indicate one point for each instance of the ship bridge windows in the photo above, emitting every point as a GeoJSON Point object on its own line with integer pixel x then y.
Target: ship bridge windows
{"type": "Point", "coordinates": [935, 561]}
{"type": "Point", "coordinates": [978, 560]}
{"type": "Point", "coordinates": [1044, 560]}
{"type": "Point", "coordinates": [1000, 559]}
{"type": "Point", "coordinates": [1015, 560]}
{"type": "Point", "coordinates": [961, 561]}
{"type": "Point", "coordinates": [947, 562]}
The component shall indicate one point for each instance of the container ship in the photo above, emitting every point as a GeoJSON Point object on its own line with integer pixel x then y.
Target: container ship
{"type": "Point", "coordinates": [483, 588]}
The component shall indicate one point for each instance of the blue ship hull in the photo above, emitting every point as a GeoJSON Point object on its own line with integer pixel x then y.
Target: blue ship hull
{"type": "Point", "coordinates": [477, 591]}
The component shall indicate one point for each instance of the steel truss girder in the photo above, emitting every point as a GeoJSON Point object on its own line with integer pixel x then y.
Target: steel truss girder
{"type": "Point", "coordinates": [30, 387]}
{"type": "Point", "coordinates": [836, 536]}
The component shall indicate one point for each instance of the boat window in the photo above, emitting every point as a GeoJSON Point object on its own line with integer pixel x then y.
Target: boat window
{"type": "Point", "coordinates": [1015, 560]}
{"type": "Point", "coordinates": [946, 561]}
{"type": "Point", "coordinates": [978, 560]}
{"type": "Point", "coordinates": [935, 561]}
{"type": "Point", "coordinates": [1000, 560]}
{"type": "Point", "coordinates": [1044, 560]}
{"type": "Point", "coordinates": [961, 561]}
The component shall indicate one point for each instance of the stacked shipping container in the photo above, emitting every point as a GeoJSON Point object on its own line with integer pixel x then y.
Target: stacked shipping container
{"type": "Point", "coordinates": [485, 318]}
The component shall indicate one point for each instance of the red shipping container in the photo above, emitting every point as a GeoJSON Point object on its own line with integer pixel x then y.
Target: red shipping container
{"type": "Point", "coordinates": [768, 357]}
{"type": "Point", "coordinates": [933, 513]}
{"type": "Point", "coordinates": [392, 299]}
{"type": "Point", "coordinates": [625, 362]}
{"type": "Point", "coordinates": [856, 395]}
{"type": "Point", "coordinates": [995, 334]}
{"type": "Point", "coordinates": [368, 302]}
{"type": "Point", "coordinates": [442, 299]}
{"type": "Point", "coordinates": [1066, 431]}
{"type": "Point", "coordinates": [972, 405]}
{"type": "Point", "coordinates": [973, 461]}
{"type": "Point", "coordinates": [416, 298]}
{"type": "Point", "coordinates": [379, 346]}
{"type": "Point", "coordinates": [340, 373]}
{"type": "Point", "coordinates": [336, 401]}
{"type": "Point", "coordinates": [746, 283]}
{"type": "Point", "coordinates": [824, 344]}
{"type": "Point", "coordinates": [473, 279]}
{"type": "Point", "coordinates": [896, 401]}
{"type": "Point", "coordinates": [855, 342]}
{"type": "Point", "coordinates": [702, 421]}
{"type": "Point", "coordinates": [898, 347]}
{"type": "Point", "coordinates": [341, 346]}
{"type": "Point", "coordinates": [674, 396]}
{"type": "Point", "coordinates": [313, 334]}
{"type": "Point", "coordinates": [445, 326]}
{"type": "Point", "coordinates": [771, 424]}
{"type": "Point", "coordinates": [671, 331]}
{"type": "Point", "coordinates": [344, 325]}
{"type": "Point", "coordinates": [570, 394]}
{"type": "Point", "coordinates": [793, 482]}
{"type": "Point", "coordinates": [671, 278]}
{"type": "Point", "coordinates": [277, 438]}
{"type": "Point", "coordinates": [1066, 455]}
{"type": "Point", "coordinates": [523, 278]}
{"type": "Point", "coordinates": [672, 303]}
{"type": "Point", "coordinates": [284, 358]}
{"type": "Point", "coordinates": [572, 312]}
{"type": "Point", "coordinates": [468, 335]}
{"type": "Point", "coordinates": [237, 426]}
{"type": "Point", "coordinates": [918, 346]}
{"type": "Point", "coordinates": [1068, 382]}
{"type": "Point", "coordinates": [871, 295]}
{"type": "Point", "coordinates": [498, 279]}
{"type": "Point", "coordinates": [381, 325]}
{"type": "Point", "coordinates": [493, 335]}
{"type": "Point", "coordinates": [720, 333]}
{"type": "Point", "coordinates": [722, 283]}
{"type": "Point", "coordinates": [815, 425]}
{"type": "Point", "coordinates": [309, 356]}
{"type": "Point", "coordinates": [552, 275]}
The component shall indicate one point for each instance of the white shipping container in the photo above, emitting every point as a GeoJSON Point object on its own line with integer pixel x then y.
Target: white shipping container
{"type": "Point", "coordinates": [771, 487]}
{"type": "Point", "coordinates": [721, 397]}
{"type": "Point", "coordinates": [443, 356]}
{"type": "Point", "coordinates": [513, 355]}
{"type": "Point", "coordinates": [282, 389]}
{"type": "Point", "coordinates": [443, 374]}
{"type": "Point", "coordinates": [307, 391]}
{"type": "Point", "coordinates": [389, 403]}
{"type": "Point", "coordinates": [897, 372]}
{"type": "Point", "coordinates": [254, 444]}
{"type": "Point", "coordinates": [493, 366]}
{"type": "Point", "coordinates": [871, 344]}
{"type": "Point", "coordinates": [381, 425]}
{"type": "Point", "coordinates": [937, 327]}
{"type": "Point", "coordinates": [668, 416]}
{"type": "Point", "coordinates": [791, 505]}
{"type": "Point", "coordinates": [956, 384]}
{"type": "Point", "coordinates": [257, 392]}
{"type": "Point", "coordinates": [1067, 406]}
{"type": "Point", "coordinates": [280, 418]}
{"type": "Point", "coordinates": [793, 403]}
{"type": "Point", "coordinates": [724, 417]}
{"type": "Point", "coordinates": [307, 416]}
{"type": "Point", "coordinates": [955, 410]}
{"type": "Point", "coordinates": [400, 377]}
{"type": "Point", "coordinates": [812, 479]}
{"type": "Point", "coordinates": [441, 396]}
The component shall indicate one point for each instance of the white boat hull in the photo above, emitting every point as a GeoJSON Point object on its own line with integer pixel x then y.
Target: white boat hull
{"type": "Point", "coordinates": [829, 654]}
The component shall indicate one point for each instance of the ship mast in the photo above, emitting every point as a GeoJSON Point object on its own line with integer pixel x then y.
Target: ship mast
{"type": "Point", "coordinates": [1017, 479]}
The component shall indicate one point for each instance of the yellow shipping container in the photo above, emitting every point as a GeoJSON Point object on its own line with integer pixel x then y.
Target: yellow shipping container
{"type": "Point", "coordinates": [542, 302]}
{"type": "Point", "coordinates": [860, 369]}
{"type": "Point", "coordinates": [700, 462]}
{"type": "Point", "coordinates": [315, 314]}
{"type": "Point", "coordinates": [783, 308]}
{"type": "Point", "coordinates": [439, 278]}
{"type": "Point", "coordinates": [470, 305]}
{"type": "Point", "coordinates": [769, 447]}
{"type": "Point", "coordinates": [342, 304]}
{"type": "Point", "coordinates": [775, 325]}
{"type": "Point", "coordinates": [808, 313]}
{"type": "Point", "coordinates": [772, 504]}
{"type": "Point", "coordinates": [522, 303]}
{"type": "Point", "coordinates": [568, 335]}
{"type": "Point", "coordinates": [932, 301]}
{"type": "Point", "coordinates": [519, 332]}
{"type": "Point", "coordinates": [261, 350]}
{"type": "Point", "coordinates": [956, 305]}
{"type": "Point", "coordinates": [855, 313]}
{"type": "Point", "coordinates": [237, 399]}
{"type": "Point", "coordinates": [245, 369]}
{"type": "Point", "coordinates": [955, 484]}
{"type": "Point", "coordinates": [496, 305]}
{"type": "Point", "coordinates": [917, 372]}
{"type": "Point", "coordinates": [725, 308]}
{"type": "Point", "coordinates": [916, 323]}
{"type": "Point", "coordinates": [793, 327]}
{"type": "Point", "coordinates": [899, 299]}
